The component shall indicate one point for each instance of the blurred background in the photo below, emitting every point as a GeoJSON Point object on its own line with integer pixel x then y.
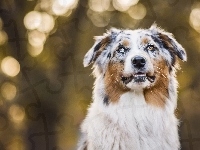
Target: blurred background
{"type": "Point", "coordinates": [44, 89]}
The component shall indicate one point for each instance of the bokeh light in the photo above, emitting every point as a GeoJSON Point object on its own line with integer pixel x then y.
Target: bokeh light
{"type": "Point", "coordinates": [40, 21]}
{"type": "Point", "coordinates": [32, 20]}
{"type": "Point", "coordinates": [59, 9]}
{"type": "Point", "coordinates": [36, 38]}
{"type": "Point", "coordinates": [195, 18]}
{"type": "Point", "coordinates": [99, 5]}
{"type": "Point", "coordinates": [123, 5]}
{"type": "Point", "coordinates": [3, 37]}
{"type": "Point", "coordinates": [45, 5]}
{"type": "Point", "coordinates": [35, 51]}
{"type": "Point", "coordinates": [137, 12]}
{"type": "Point", "coordinates": [68, 3]}
{"type": "Point", "coordinates": [47, 23]}
{"type": "Point", "coordinates": [99, 19]}
{"type": "Point", "coordinates": [8, 90]}
{"type": "Point", "coordinates": [10, 66]}
{"type": "Point", "coordinates": [16, 113]}
{"type": "Point", "coordinates": [63, 7]}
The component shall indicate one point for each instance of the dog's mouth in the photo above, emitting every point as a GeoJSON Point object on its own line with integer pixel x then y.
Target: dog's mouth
{"type": "Point", "coordinates": [138, 77]}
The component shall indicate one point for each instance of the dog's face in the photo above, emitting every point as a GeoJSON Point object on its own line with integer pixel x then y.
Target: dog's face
{"type": "Point", "coordinates": [135, 59]}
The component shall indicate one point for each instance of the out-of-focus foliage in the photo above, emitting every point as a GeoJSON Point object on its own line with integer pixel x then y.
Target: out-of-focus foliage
{"type": "Point", "coordinates": [44, 89]}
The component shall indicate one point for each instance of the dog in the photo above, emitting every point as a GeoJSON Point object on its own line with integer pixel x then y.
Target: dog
{"type": "Point", "coordinates": [135, 91]}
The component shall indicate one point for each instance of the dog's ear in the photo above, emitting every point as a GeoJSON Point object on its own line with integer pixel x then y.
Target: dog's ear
{"type": "Point", "coordinates": [96, 50]}
{"type": "Point", "coordinates": [169, 42]}
{"type": "Point", "coordinates": [99, 46]}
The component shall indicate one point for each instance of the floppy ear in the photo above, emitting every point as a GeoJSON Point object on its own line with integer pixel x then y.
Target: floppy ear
{"type": "Point", "coordinates": [169, 42]}
{"type": "Point", "coordinates": [99, 46]}
{"type": "Point", "coordinates": [96, 50]}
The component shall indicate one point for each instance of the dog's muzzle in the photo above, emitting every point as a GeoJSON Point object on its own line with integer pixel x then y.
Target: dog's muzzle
{"type": "Point", "coordinates": [140, 75]}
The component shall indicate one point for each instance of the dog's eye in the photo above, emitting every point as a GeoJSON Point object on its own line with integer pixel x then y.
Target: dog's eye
{"type": "Point", "coordinates": [122, 49]}
{"type": "Point", "coordinates": [150, 47]}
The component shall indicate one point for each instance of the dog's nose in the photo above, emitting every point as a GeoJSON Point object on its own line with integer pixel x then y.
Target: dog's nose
{"type": "Point", "coordinates": [138, 62]}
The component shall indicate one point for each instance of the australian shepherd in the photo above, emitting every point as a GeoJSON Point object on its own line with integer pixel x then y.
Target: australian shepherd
{"type": "Point", "coordinates": [135, 91]}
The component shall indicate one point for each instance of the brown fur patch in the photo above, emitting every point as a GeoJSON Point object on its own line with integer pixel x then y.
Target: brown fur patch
{"type": "Point", "coordinates": [144, 41]}
{"type": "Point", "coordinates": [166, 41]}
{"type": "Point", "coordinates": [126, 43]}
{"type": "Point", "coordinates": [114, 87]}
{"type": "Point", "coordinates": [158, 93]}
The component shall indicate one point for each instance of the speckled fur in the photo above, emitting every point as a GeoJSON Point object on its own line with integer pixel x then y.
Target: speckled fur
{"type": "Point", "coordinates": [129, 121]}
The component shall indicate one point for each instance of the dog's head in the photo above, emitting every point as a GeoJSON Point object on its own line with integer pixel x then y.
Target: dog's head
{"type": "Point", "coordinates": [135, 59]}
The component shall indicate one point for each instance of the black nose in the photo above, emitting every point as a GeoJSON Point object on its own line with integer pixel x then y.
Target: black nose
{"type": "Point", "coordinates": [138, 62]}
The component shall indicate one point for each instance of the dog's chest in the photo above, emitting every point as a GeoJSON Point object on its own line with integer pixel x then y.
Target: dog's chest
{"type": "Point", "coordinates": [131, 124]}
{"type": "Point", "coordinates": [134, 115]}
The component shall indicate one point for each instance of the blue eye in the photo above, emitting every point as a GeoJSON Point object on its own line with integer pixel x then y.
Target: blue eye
{"type": "Point", "coordinates": [122, 50]}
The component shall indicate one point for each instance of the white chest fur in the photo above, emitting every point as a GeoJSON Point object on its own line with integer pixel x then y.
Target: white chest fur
{"type": "Point", "coordinates": [130, 124]}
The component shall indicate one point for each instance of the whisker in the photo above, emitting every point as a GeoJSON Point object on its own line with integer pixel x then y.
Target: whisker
{"type": "Point", "coordinates": [163, 75]}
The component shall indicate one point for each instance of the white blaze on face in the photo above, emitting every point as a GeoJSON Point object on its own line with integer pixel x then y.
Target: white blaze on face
{"type": "Point", "coordinates": [137, 49]}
